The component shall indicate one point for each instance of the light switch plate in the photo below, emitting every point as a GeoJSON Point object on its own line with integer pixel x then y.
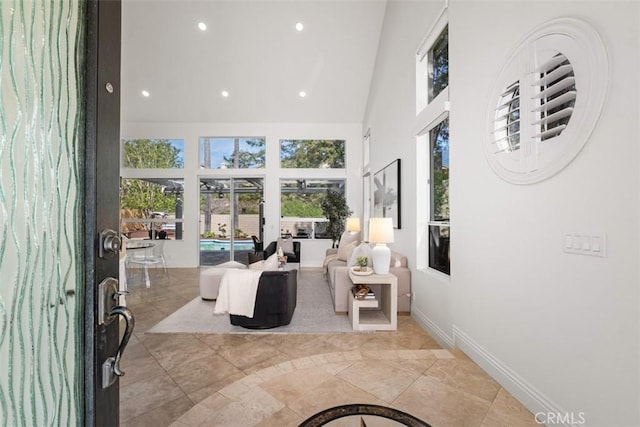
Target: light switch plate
{"type": "Point", "coordinates": [593, 244]}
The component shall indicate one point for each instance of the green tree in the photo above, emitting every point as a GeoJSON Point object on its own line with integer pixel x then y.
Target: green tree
{"type": "Point", "coordinates": [146, 196]}
{"type": "Point", "coordinates": [246, 159]}
{"type": "Point", "coordinates": [440, 168]}
{"type": "Point", "coordinates": [335, 208]}
{"type": "Point", "coordinates": [152, 154]}
{"type": "Point", "coordinates": [439, 57]}
{"type": "Point", "coordinates": [304, 206]}
{"type": "Point", "coordinates": [312, 154]}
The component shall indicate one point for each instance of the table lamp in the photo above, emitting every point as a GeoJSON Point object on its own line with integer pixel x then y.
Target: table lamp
{"type": "Point", "coordinates": [381, 233]}
{"type": "Point", "coordinates": [353, 224]}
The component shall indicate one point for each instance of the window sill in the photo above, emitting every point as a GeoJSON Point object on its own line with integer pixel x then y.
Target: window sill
{"type": "Point", "coordinates": [435, 274]}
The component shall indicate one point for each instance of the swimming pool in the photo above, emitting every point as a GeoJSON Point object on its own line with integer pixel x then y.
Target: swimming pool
{"type": "Point", "coordinates": [224, 245]}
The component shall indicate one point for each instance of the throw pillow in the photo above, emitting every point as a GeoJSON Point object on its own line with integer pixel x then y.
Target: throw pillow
{"type": "Point", "coordinates": [396, 260]}
{"type": "Point", "coordinates": [348, 237]}
{"type": "Point", "coordinates": [364, 249]}
{"type": "Point", "coordinates": [344, 251]}
{"type": "Point", "coordinates": [285, 244]}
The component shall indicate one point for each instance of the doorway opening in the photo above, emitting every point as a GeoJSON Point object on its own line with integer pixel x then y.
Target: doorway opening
{"type": "Point", "coordinates": [231, 212]}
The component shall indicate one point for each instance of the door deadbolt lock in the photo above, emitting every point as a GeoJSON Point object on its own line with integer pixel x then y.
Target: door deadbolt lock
{"type": "Point", "coordinates": [110, 243]}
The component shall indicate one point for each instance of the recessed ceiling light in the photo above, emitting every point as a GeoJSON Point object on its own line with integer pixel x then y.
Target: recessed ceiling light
{"type": "Point", "coordinates": [299, 26]}
{"type": "Point", "coordinates": [202, 26]}
{"type": "Point", "coordinates": [302, 94]}
{"type": "Point", "coordinates": [145, 93]}
{"type": "Point", "coordinates": [224, 93]}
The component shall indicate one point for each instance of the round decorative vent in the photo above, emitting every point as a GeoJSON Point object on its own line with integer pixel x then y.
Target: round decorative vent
{"type": "Point", "coordinates": [546, 102]}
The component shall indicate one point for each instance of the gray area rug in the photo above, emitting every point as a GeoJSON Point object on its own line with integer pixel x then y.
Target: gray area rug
{"type": "Point", "coordinates": [314, 314]}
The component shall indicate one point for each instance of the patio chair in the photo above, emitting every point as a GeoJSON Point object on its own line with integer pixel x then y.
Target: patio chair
{"type": "Point", "coordinates": [257, 245]}
{"type": "Point", "coordinates": [150, 256]}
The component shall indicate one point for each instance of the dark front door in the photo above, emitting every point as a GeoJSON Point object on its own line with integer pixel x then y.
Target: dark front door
{"type": "Point", "coordinates": [59, 124]}
{"type": "Point", "coordinates": [102, 153]}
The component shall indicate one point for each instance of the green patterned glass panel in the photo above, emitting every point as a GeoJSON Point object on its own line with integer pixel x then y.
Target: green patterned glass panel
{"type": "Point", "coordinates": [41, 61]}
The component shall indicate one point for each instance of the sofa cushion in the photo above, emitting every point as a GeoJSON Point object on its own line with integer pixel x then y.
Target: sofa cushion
{"type": "Point", "coordinates": [345, 250]}
{"type": "Point", "coordinates": [397, 260]}
{"type": "Point", "coordinates": [348, 237]}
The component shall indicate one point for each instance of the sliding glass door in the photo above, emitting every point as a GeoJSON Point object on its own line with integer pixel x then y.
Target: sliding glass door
{"type": "Point", "coordinates": [230, 214]}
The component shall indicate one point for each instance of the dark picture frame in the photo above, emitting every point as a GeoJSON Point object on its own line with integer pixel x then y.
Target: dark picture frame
{"type": "Point", "coordinates": [386, 193]}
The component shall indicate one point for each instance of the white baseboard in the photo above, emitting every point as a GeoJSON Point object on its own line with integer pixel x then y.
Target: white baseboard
{"type": "Point", "coordinates": [533, 399]}
{"type": "Point", "coordinates": [444, 339]}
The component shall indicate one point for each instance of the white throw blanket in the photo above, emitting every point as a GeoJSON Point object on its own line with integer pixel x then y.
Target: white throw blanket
{"type": "Point", "coordinates": [237, 293]}
{"type": "Point", "coordinates": [327, 260]}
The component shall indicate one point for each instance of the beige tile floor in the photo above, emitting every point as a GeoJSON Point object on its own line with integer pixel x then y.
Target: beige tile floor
{"type": "Point", "coordinates": [281, 379]}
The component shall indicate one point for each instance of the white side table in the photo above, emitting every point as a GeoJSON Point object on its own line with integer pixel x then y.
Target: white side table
{"type": "Point", "coordinates": [384, 319]}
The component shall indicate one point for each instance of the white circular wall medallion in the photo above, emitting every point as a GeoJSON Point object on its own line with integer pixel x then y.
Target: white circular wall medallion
{"type": "Point", "coordinates": [546, 101]}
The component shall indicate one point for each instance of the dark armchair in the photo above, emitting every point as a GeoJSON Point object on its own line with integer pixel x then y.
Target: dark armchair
{"type": "Point", "coordinates": [275, 301]}
{"type": "Point", "coordinates": [291, 257]}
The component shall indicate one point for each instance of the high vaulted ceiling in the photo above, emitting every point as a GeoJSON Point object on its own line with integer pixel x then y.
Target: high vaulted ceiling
{"type": "Point", "coordinates": [253, 51]}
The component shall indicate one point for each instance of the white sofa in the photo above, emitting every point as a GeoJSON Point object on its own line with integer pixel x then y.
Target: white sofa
{"type": "Point", "coordinates": [340, 285]}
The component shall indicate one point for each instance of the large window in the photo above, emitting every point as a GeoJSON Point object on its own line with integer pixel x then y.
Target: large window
{"type": "Point", "coordinates": [301, 214]}
{"type": "Point", "coordinates": [432, 106]}
{"type": "Point", "coordinates": [153, 153]}
{"type": "Point", "coordinates": [151, 208]}
{"type": "Point", "coordinates": [312, 154]}
{"type": "Point", "coordinates": [232, 153]}
{"type": "Point", "coordinates": [439, 229]}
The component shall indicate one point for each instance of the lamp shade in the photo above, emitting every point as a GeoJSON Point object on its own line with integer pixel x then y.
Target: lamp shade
{"type": "Point", "coordinates": [381, 230]}
{"type": "Point", "coordinates": [353, 224]}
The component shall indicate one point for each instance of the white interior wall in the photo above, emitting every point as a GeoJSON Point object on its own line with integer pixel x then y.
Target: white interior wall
{"type": "Point", "coordinates": [559, 331]}
{"type": "Point", "coordinates": [391, 117]}
{"type": "Point", "coordinates": [184, 253]}
{"type": "Point", "coordinates": [558, 328]}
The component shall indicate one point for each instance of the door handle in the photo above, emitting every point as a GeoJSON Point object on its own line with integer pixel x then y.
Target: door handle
{"type": "Point", "coordinates": [111, 367]}
{"type": "Point", "coordinates": [107, 312]}
{"type": "Point", "coordinates": [128, 331]}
